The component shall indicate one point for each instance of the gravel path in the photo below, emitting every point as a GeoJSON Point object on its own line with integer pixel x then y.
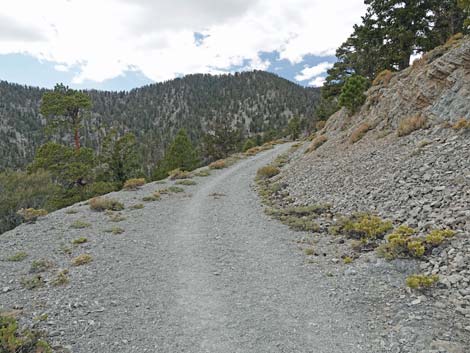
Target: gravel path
{"type": "Point", "coordinates": [194, 272]}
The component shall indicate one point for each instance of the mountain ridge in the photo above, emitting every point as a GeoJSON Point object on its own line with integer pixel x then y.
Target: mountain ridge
{"type": "Point", "coordinates": [254, 102]}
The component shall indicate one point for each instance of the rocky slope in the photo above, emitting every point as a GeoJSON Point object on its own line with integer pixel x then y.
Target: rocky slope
{"type": "Point", "coordinates": [253, 102]}
{"type": "Point", "coordinates": [420, 178]}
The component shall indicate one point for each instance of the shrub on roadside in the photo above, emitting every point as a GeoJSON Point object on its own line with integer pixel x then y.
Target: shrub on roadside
{"type": "Point", "coordinates": [14, 340]}
{"type": "Point", "coordinates": [220, 164]}
{"type": "Point", "coordinates": [30, 215]}
{"type": "Point", "coordinates": [179, 174]}
{"type": "Point", "coordinates": [267, 172]}
{"type": "Point", "coordinates": [102, 204]}
{"type": "Point", "coordinates": [134, 184]}
{"type": "Point", "coordinates": [249, 143]}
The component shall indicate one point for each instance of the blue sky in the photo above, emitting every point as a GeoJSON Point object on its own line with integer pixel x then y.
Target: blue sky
{"type": "Point", "coordinates": [123, 44]}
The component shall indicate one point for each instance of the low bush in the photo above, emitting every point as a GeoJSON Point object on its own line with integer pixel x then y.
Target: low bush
{"type": "Point", "coordinates": [320, 125]}
{"type": "Point", "coordinates": [32, 282]}
{"type": "Point", "coordinates": [115, 230]}
{"type": "Point", "coordinates": [134, 184]}
{"type": "Point", "coordinates": [61, 278]}
{"type": "Point", "coordinates": [41, 265]}
{"type": "Point", "coordinates": [179, 174]}
{"type": "Point", "coordinates": [78, 241]}
{"type": "Point", "coordinates": [383, 78]}
{"type": "Point", "coordinates": [267, 172]}
{"type": "Point", "coordinates": [366, 226]}
{"type": "Point", "coordinates": [220, 164]}
{"type": "Point", "coordinates": [462, 124]}
{"type": "Point", "coordinates": [186, 182]}
{"type": "Point", "coordinates": [80, 225]}
{"type": "Point", "coordinates": [138, 206]}
{"type": "Point", "coordinates": [82, 259]}
{"type": "Point", "coordinates": [30, 215]}
{"type": "Point", "coordinates": [102, 204]}
{"type": "Point", "coordinates": [411, 124]}
{"type": "Point", "coordinates": [203, 173]}
{"type": "Point", "coordinates": [19, 256]}
{"type": "Point", "coordinates": [175, 189]}
{"type": "Point", "coordinates": [359, 133]}
{"type": "Point", "coordinates": [316, 143]}
{"type": "Point", "coordinates": [421, 281]}
{"type": "Point", "coordinates": [14, 340]}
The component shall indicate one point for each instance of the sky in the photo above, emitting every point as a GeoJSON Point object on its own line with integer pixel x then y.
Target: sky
{"type": "Point", "coordinates": [123, 44]}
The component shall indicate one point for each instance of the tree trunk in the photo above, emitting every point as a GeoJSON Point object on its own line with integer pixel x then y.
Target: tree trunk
{"type": "Point", "coordinates": [77, 140]}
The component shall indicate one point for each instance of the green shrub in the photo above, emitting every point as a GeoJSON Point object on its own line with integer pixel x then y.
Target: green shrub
{"type": "Point", "coordinates": [203, 173]}
{"type": "Point", "coordinates": [78, 241]}
{"type": "Point", "coordinates": [32, 282]}
{"type": "Point", "coordinates": [421, 281]}
{"type": "Point", "coordinates": [14, 340]}
{"type": "Point", "coordinates": [102, 204]}
{"type": "Point", "coordinates": [249, 144]}
{"type": "Point", "coordinates": [175, 189]}
{"type": "Point", "coordinates": [115, 230]}
{"type": "Point", "coordinates": [366, 226]}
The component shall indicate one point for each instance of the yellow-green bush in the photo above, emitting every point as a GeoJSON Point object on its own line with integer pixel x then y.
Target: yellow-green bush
{"type": "Point", "coordinates": [82, 259]}
{"type": "Point", "coordinates": [462, 124]}
{"type": "Point", "coordinates": [14, 340]}
{"type": "Point", "coordinates": [179, 174]}
{"type": "Point", "coordinates": [366, 226]}
{"type": "Point", "coordinates": [421, 281]}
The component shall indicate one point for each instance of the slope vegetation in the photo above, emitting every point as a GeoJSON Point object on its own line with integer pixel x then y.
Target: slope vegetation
{"type": "Point", "coordinates": [253, 102]}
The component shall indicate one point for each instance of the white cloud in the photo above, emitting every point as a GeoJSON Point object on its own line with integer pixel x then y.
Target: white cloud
{"type": "Point", "coordinates": [107, 37]}
{"type": "Point", "coordinates": [314, 71]}
{"type": "Point", "coordinates": [317, 82]}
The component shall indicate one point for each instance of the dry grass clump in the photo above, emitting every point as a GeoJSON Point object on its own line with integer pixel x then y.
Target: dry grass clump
{"type": "Point", "coordinates": [32, 282]}
{"type": "Point", "coordinates": [156, 196]}
{"type": "Point", "coordinates": [320, 125]}
{"type": "Point", "coordinates": [102, 204]}
{"type": "Point", "coordinates": [61, 278]}
{"type": "Point", "coordinates": [118, 217]}
{"type": "Point", "coordinates": [30, 215]}
{"type": "Point", "coordinates": [137, 206]}
{"type": "Point", "coordinates": [383, 78]}
{"type": "Point", "coordinates": [316, 143]}
{"type": "Point", "coordinates": [115, 230]}
{"type": "Point", "coordinates": [134, 184]}
{"type": "Point", "coordinates": [179, 174]}
{"type": "Point", "coordinates": [267, 172]}
{"type": "Point", "coordinates": [78, 241]}
{"type": "Point", "coordinates": [80, 225]}
{"type": "Point", "coordinates": [19, 256]}
{"type": "Point", "coordinates": [411, 124]}
{"type": "Point", "coordinates": [462, 124]}
{"type": "Point", "coordinates": [220, 164]}
{"type": "Point", "coordinates": [360, 132]}
{"type": "Point", "coordinates": [421, 281]}
{"type": "Point", "coordinates": [186, 182]}
{"type": "Point", "coordinates": [82, 259]}
{"type": "Point", "coordinates": [203, 173]}
{"type": "Point", "coordinates": [42, 265]}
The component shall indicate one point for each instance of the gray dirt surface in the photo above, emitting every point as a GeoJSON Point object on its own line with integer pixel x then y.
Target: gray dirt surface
{"type": "Point", "coordinates": [195, 272]}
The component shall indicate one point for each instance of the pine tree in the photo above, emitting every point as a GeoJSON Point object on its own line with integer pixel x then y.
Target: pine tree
{"type": "Point", "coordinates": [293, 128]}
{"type": "Point", "coordinates": [181, 154]}
{"type": "Point", "coordinates": [352, 95]}
{"type": "Point", "coordinates": [465, 6]}
{"type": "Point", "coordinates": [66, 107]}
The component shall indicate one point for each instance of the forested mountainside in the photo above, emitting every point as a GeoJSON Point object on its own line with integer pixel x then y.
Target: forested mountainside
{"type": "Point", "coordinates": [253, 102]}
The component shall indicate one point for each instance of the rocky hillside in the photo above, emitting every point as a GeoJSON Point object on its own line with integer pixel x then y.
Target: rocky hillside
{"type": "Point", "coordinates": [254, 102]}
{"type": "Point", "coordinates": [406, 158]}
